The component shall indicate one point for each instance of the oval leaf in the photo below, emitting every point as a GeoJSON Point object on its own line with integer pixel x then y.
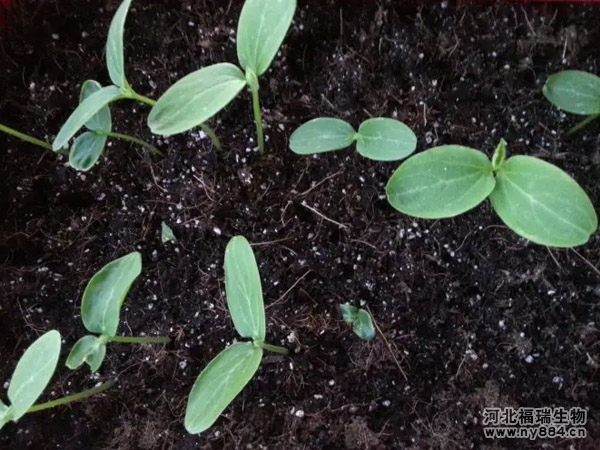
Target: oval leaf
{"type": "Point", "coordinates": [363, 326]}
{"type": "Point", "coordinates": [33, 372]}
{"type": "Point", "coordinates": [84, 112]}
{"type": "Point", "coordinates": [219, 383]}
{"type": "Point", "coordinates": [88, 349]}
{"type": "Point", "coordinates": [320, 135]}
{"type": "Point", "coordinates": [574, 91]}
{"type": "Point", "coordinates": [105, 293]}
{"type": "Point", "coordinates": [115, 56]}
{"type": "Point", "coordinates": [196, 98]}
{"type": "Point", "coordinates": [349, 313]}
{"type": "Point", "coordinates": [441, 182]}
{"type": "Point", "coordinates": [86, 150]}
{"type": "Point", "coordinates": [101, 121]}
{"type": "Point", "coordinates": [383, 139]}
{"type": "Point", "coordinates": [262, 27]}
{"type": "Point", "coordinates": [542, 203]}
{"type": "Point", "coordinates": [243, 290]}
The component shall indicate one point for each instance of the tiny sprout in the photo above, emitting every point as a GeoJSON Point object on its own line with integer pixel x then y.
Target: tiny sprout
{"type": "Point", "coordinates": [360, 319]}
{"type": "Point", "coordinates": [31, 376]}
{"type": "Point", "coordinates": [227, 374]}
{"type": "Point", "coordinates": [100, 310]}
{"type": "Point", "coordinates": [166, 233]}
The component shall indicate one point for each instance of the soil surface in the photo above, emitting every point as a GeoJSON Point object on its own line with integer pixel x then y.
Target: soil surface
{"type": "Point", "coordinates": [473, 315]}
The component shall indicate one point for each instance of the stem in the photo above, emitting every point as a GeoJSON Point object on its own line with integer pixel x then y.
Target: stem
{"type": "Point", "coordinates": [139, 340]}
{"type": "Point", "coordinates": [208, 130]}
{"type": "Point", "coordinates": [126, 137]}
{"type": "Point", "coordinates": [257, 119]}
{"type": "Point", "coordinates": [582, 124]}
{"type": "Point", "coordinates": [25, 137]}
{"type": "Point", "coordinates": [274, 348]}
{"type": "Point", "coordinates": [72, 398]}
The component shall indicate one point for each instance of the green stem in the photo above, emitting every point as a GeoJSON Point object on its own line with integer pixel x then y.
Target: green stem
{"type": "Point", "coordinates": [139, 340]}
{"type": "Point", "coordinates": [72, 398]}
{"type": "Point", "coordinates": [126, 137]}
{"type": "Point", "coordinates": [584, 123]}
{"type": "Point", "coordinates": [260, 139]}
{"type": "Point", "coordinates": [25, 137]}
{"type": "Point", "coordinates": [273, 348]}
{"type": "Point", "coordinates": [208, 130]}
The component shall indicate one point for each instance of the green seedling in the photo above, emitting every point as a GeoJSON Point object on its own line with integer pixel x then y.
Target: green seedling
{"type": "Point", "coordinates": [32, 375]}
{"type": "Point", "coordinates": [200, 95]}
{"type": "Point", "coordinates": [535, 199]}
{"type": "Point", "coordinates": [93, 103]}
{"type": "Point", "coordinates": [380, 139]}
{"type": "Point", "coordinates": [25, 137]}
{"type": "Point", "coordinates": [227, 374]}
{"type": "Point", "coordinates": [576, 92]}
{"type": "Point", "coordinates": [166, 233]}
{"type": "Point", "coordinates": [360, 319]}
{"type": "Point", "coordinates": [100, 311]}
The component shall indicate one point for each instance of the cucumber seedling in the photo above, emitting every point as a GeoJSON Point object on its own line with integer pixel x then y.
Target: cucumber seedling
{"type": "Point", "coordinates": [31, 376]}
{"type": "Point", "coordinates": [535, 199]}
{"type": "Point", "coordinates": [576, 92]}
{"type": "Point", "coordinates": [227, 374]}
{"type": "Point", "coordinates": [360, 319]}
{"type": "Point", "coordinates": [25, 137]}
{"type": "Point", "coordinates": [100, 310]}
{"type": "Point", "coordinates": [200, 95]}
{"type": "Point", "coordinates": [379, 139]}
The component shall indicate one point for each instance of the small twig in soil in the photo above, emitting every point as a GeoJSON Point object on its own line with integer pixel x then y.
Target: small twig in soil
{"type": "Point", "coordinates": [388, 345]}
{"type": "Point", "coordinates": [289, 290]}
{"type": "Point", "coordinates": [341, 225]}
{"type": "Point", "coordinates": [587, 261]}
{"type": "Point", "coordinates": [320, 183]}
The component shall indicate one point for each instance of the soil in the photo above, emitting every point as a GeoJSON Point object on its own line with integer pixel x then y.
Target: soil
{"type": "Point", "coordinates": [472, 314]}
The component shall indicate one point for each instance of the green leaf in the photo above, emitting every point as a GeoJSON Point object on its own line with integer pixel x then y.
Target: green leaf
{"type": "Point", "coordinates": [105, 293]}
{"type": "Point", "coordinates": [166, 233]}
{"type": "Point", "coordinates": [84, 112]}
{"type": "Point", "coordinates": [101, 121]}
{"type": "Point", "coordinates": [33, 372]}
{"type": "Point", "coordinates": [542, 203]}
{"type": "Point", "coordinates": [499, 155]}
{"type": "Point", "coordinates": [196, 98]}
{"type": "Point", "coordinates": [349, 313]}
{"type": "Point", "coordinates": [88, 349]}
{"type": "Point", "coordinates": [574, 91]}
{"type": "Point", "coordinates": [383, 139]}
{"type": "Point", "coordinates": [243, 290]}
{"type": "Point", "coordinates": [219, 383]}
{"type": "Point", "coordinates": [261, 29]}
{"type": "Point", "coordinates": [363, 326]}
{"type": "Point", "coordinates": [441, 182]}
{"type": "Point", "coordinates": [115, 56]}
{"type": "Point", "coordinates": [320, 135]}
{"type": "Point", "coordinates": [86, 150]}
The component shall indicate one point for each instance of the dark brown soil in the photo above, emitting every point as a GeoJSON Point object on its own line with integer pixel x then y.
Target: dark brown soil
{"type": "Point", "coordinates": [474, 315]}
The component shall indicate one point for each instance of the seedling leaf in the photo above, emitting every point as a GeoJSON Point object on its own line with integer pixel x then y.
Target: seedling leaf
{"type": "Point", "coordinates": [574, 91]}
{"type": "Point", "coordinates": [383, 139]}
{"type": "Point", "coordinates": [243, 290]}
{"type": "Point", "coordinates": [84, 112]}
{"type": "Point", "coordinates": [105, 293]}
{"type": "Point", "coordinates": [101, 121]}
{"type": "Point", "coordinates": [499, 155]}
{"type": "Point", "coordinates": [542, 203]}
{"type": "Point", "coordinates": [261, 29]}
{"type": "Point", "coordinates": [115, 56]}
{"type": "Point", "coordinates": [86, 150]}
{"type": "Point", "coordinates": [363, 326]}
{"type": "Point", "coordinates": [320, 135]}
{"type": "Point", "coordinates": [219, 383]}
{"type": "Point", "coordinates": [196, 98]}
{"type": "Point", "coordinates": [166, 233]}
{"type": "Point", "coordinates": [88, 349]}
{"type": "Point", "coordinates": [33, 372]}
{"type": "Point", "coordinates": [441, 182]}
{"type": "Point", "coordinates": [349, 313]}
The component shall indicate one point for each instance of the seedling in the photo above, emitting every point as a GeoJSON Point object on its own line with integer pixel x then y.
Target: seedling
{"type": "Point", "coordinates": [576, 92]}
{"type": "Point", "coordinates": [380, 139]}
{"type": "Point", "coordinates": [32, 375]}
{"type": "Point", "coordinates": [535, 199]}
{"type": "Point", "coordinates": [200, 95]}
{"type": "Point", "coordinates": [100, 311]}
{"type": "Point", "coordinates": [360, 319]}
{"type": "Point", "coordinates": [166, 233]}
{"type": "Point", "coordinates": [99, 98]}
{"type": "Point", "coordinates": [25, 137]}
{"type": "Point", "coordinates": [227, 374]}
